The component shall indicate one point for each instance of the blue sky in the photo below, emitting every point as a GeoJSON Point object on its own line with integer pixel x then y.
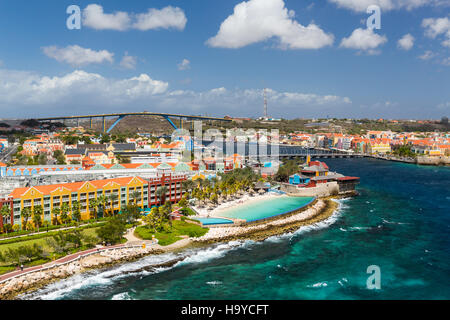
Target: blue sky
{"type": "Point", "coordinates": [316, 57]}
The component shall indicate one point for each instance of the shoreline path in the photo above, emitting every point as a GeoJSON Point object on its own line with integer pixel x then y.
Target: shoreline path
{"type": "Point", "coordinates": [131, 240]}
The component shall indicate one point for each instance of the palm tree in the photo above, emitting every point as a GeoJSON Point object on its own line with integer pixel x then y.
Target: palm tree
{"type": "Point", "coordinates": [26, 214]}
{"type": "Point", "coordinates": [93, 207]}
{"type": "Point", "coordinates": [56, 211]}
{"type": "Point", "coordinates": [76, 211]}
{"type": "Point", "coordinates": [165, 211]}
{"type": "Point", "coordinates": [65, 212]}
{"type": "Point", "coordinates": [101, 201]}
{"type": "Point", "coordinates": [161, 194]}
{"type": "Point", "coordinates": [37, 216]}
{"type": "Point", "coordinates": [194, 193]}
{"type": "Point", "coordinates": [152, 219]}
{"type": "Point", "coordinates": [112, 198]}
{"type": "Point", "coordinates": [214, 181]}
{"type": "Point", "coordinates": [135, 195]}
{"type": "Point", "coordinates": [187, 185]}
{"type": "Point", "coordinates": [214, 198]}
{"type": "Point", "coordinates": [5, 212]}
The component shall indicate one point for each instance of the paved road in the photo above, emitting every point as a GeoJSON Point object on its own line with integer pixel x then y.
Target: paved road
{"type": "Point", "coordinates": [5, 156]}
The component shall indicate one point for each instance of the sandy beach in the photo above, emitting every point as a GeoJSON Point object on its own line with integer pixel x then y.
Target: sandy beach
{"type": "Point", "coordinates": [216, 212]}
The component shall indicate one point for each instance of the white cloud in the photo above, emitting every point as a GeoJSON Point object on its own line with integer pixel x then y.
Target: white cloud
{"type": "Point", "coordinates": [386, 5]}
{"type": "Point", "coordinates": [248, 102]}
{"type": "Point", "coordinates": [184, 65]}
{"type": "Point", "coordinates": [29, 94]}
{"type": "Point", "coordinates": [435, 27]}
{"type": "Point", "coordinates": [128, 62]}
{"type": "Point", "coordinates": [446, 61]}
{"type": "Point", "coordinates": [260, 20]}
{"type": "Point", "coordinates": [73, 91]}
{"type": "Point", "coordinates": [166, 18]}
{"type": "Point", "coordinates": [427, 55]}
{"type": "Point", "coordinates": [406, 42]}
{"type": "Point", "coordinates": [94, 17]}
{"type": "Point", "coordinates": [78, 56]}
{"type": "Point", "coordinates": [365, 40]}
{"type": "Point", "coordinates": [444, 106]}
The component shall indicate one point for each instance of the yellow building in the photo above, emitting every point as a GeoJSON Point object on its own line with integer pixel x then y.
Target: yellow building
{"type": "Point", "coordinates": [379, 147]}
{"type": "Point", "coordinates": [54, 196]}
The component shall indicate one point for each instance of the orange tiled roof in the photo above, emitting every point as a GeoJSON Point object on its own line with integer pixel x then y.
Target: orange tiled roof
{"type": "Point", "coordinates": [73, 186]}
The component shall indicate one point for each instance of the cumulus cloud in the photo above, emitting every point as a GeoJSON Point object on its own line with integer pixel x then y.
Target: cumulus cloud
{"type": "Point", "coordinates": [427, 55]}
{"type": "Point", "coordinates": [435, 27]}
{"type": "Point", "coordinates": [249, 102]}
{"type": "Point", "coordinates": [364, 40]}
{"type": "Point", "coordinates": [260, 20]}
{"type": "Point", "coordinates": [446, 61]}
{"type": "Point", "coordinates": [184, 65]}
{"type": "Point", "coordinates": [30, 94]}
{"type": "Point", "coordinates": [386, 5]}
{"type": "Point", "coordinates": [406, 42]}
{"type": "Point", "coordinates": [168, 17]}
{"type": "Point", "coordinates": [128, 62]}
{"type": "Point", "coordinates": [444, 105]}
{"type": "Point", "coordinates": [76, 90]}
{"type": "Point", "coordinates": [165, 18]}
{"type": "Point", "coordinates": [94, 17]}
{"type": "Point", "coordinates": [78, 56]}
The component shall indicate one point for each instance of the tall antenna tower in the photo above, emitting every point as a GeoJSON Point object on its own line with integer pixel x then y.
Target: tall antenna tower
{"type": "Point", "coordinates": [265, 103]}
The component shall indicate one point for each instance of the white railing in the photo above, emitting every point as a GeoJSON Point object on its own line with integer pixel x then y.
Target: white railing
{"type": "Point", "coordinates": [72, 260]}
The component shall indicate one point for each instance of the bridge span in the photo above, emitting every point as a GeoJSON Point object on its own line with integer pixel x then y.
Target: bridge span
{"type": "Point", "coordinates": [281, 150]}
{"type": "Point", "coordinates": [121, 116]}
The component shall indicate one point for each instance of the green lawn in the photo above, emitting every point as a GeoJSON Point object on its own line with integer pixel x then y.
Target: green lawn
{"type": "Point", "coordinates": [190, 212]}
{"type": "Point", "coordinates": [5, 267]}
{"type": "Point", "coordinates": [179, 229]}
{"type": "Point", "coordinates": [40, 241]}
{"type": "Point", "coordinates": [45, 234]}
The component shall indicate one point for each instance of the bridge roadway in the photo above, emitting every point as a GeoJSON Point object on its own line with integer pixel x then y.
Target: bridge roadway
{"type": "Point", "coordinates": [121, 116]}
{"type": "Point", "coordinates": [284, 151]}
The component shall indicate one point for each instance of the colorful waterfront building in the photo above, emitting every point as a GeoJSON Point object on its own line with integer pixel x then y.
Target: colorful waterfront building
{"type": "Point", "coordinates": [119, 192]}
{"type": "Point", "coordinates": [299, 179]}
{"type": "Point", "coordinates": [173, 183]}
{"type": "Point", "coordinates": [18, 171]}
{"type": "Point", "coordinates": [3, 167]}
{"type": "Point", "coordinates": [317, 173]}
{"type": "Point", "coordinates": [379, 146]}
{"type": "Point", "coordinates": [6, 201]}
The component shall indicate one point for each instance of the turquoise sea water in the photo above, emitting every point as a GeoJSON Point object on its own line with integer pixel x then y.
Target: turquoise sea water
{"type": "Point", "coordinates": [257, 210]}
{"type": "Point", "coordinates": [400, 222]}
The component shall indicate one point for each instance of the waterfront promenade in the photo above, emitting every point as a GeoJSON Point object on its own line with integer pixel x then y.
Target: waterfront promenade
{"type": "Point", "coordinates": [132, 242]}
{"type": "Point", "coordinates": [58, 262]}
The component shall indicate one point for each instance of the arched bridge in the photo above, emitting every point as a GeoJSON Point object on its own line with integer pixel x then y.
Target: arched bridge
{"type": "Point", "coordinates": [121, 116]}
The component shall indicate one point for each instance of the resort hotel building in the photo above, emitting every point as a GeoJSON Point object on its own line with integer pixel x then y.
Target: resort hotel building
{"type": "Point", "coordinates": [117, 192]}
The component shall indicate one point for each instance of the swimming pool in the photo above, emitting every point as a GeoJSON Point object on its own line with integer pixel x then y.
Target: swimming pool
{"type": "Point", "coordinates": [268, 208]}
{"type": "Point", "coordinates": [211, 221]}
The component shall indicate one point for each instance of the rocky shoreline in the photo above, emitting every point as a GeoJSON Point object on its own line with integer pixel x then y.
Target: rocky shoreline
{"type": "Point", "coordinates": [33, 281]}
{"type": "Point", "coordinates": [316, 212]}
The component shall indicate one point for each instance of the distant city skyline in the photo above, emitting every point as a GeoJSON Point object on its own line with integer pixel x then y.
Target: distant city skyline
{"type": "Point", "coordinates": [316, 59]}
